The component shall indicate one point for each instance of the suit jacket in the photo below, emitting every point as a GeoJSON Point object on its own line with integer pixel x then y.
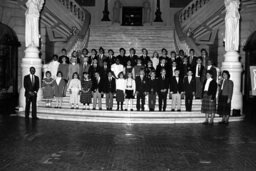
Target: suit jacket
{"type": "Point", "coordinates": [141, 84]}
{"type": "Point", "coordinates": [152, 85]}
{"type": "Point", "coordinates": [227, 88]}
{"type": "Point", "coordinates": [162, 83]}
{"type": "Point", "coordinates": [193, 63]}
{"type": "Point", "coordinates": [109, 86]}
{"type": "Point", "coordinates": [189, 88]}
{"type": "Point", "coordinates": [28, 85]}
{"type": "Point", "coordinates": [176, 87]}
{"type": "Point", "coordinates": [211, 90]}
{"type": "Point", "coordinates": [159, 68]}
{"type": "Point", "coordinates": [98, 85]}
{"type": "Point", "coordinates": [101, 59]}
{"type": "Point", "coordinates": [202, 73]}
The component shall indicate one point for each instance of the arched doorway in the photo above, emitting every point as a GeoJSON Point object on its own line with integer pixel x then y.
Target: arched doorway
{"type": "Point", "coordinates": [250, 63]}
{"type": "Point", "coordinates": [8, 69]}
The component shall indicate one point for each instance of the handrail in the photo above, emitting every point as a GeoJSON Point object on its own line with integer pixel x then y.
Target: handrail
{"type": "Point", "coordinates": [191, 8]}
{"type": "Point", "coordinates": [182, 36]}
{"type": "Point", "coordinates": [74, 8]}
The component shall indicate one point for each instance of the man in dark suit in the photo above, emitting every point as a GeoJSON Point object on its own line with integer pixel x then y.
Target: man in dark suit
{"type": "Point", "coordinates": [97, 89]}
{"type": "Point", "coordinates": [31, 85]}
{"type": "Point", "coordinates": [163, 84]}
{"type": "Point", "coordinates": [176, 89]}
{"type": "Point", "coordinates": [192, 58]}
{"type": "Point", "coordinates": [200, 73]}
{"type": "Point", "coordinates": [109, 90]}
{"type": "Point", "coordinates": [141, 88]}
{"type": "Point", "coordinates": [162, 65]}
{"type": "Point", "coordinates": [189, 84]}
{"type": "Point", "coordinates": [101, 57]}
{"type": "Point", "coordinates": [210, 67]}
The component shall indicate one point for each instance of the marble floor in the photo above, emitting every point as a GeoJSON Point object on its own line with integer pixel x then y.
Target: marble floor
{"type": "Point", "coordinates": [62, 145]}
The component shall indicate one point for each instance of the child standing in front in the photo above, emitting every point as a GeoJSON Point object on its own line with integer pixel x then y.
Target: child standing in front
{"type": "Point", "coordinates": [74, 89]}
{"type": "Point", "coordinates": [59, 89]}
{"type": "Point", "coordinates": [130, 88]}
{"type": "Point", "coordinates": [86, 93]}
{"type": "Point", "coordinates": [47, 86]}
{"type": "Point", "coordinates": [120, 90]}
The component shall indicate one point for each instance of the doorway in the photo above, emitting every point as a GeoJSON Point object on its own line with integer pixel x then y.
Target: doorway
{"type": "Point", "coordinates": [132, 16]}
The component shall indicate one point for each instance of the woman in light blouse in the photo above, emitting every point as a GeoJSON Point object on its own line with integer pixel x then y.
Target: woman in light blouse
{"type": "Point", "coordinates": [225, 97]}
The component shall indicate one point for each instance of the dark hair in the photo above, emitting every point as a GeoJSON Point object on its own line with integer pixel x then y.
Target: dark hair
{"type": "Point", "coordinates": [226, 72]}
{"type": "Point", "coordinates": [32, 68]}
{"type": "Point", "coordinates": [75, 73]}
{"type": "Point", "coordinates": [111, 50]}
{"type": "Point", "coordinates": [122, 49]}
{"type": "Point", "coordinates": [189, 70]}
{"type": "Point", "coordinates": [48, 72]}
{"type": "Point", "coordinates": [64, 50]}
{"type": "Point", "coordinates": [203, 50]}
{"type": "Point", "coordinates": [84, 49]}
{"type": "Point", "coordinates": [94, 51]}
{"type": "Point", "coordinates": [191, 50]}
{"type": "Point", "coordinates": [133, 50]}
{"type": "Point", "coordinates": [173, 52]}
{"type": "Point", "coordinates": [164, 50]}
{"type": "Point", "coordinates": [101, 48]}
{"type": "Point", "coordinates": [121, 73]}
{"type": "Point", "coordinates": [59, 72]}
{"type": "Point", "coordinates": [144, 49]}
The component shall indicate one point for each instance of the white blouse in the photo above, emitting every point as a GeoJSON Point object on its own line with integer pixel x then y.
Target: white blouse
{"type": "Point", "coordinates": [130, 84]}
{"type": "Point", "coordinates": [75, 84]}
{"type": "Point", "coordinates": [207, 84]}
{"type": "Point", "coordinates": [120, 84]}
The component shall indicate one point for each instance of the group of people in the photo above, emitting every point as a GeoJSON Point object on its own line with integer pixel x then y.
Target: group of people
{"type": "Point", "coordinates": [88, 78]}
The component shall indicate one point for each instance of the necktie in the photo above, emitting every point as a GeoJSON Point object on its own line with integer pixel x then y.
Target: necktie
{"type": "Point", "coordinates": [33, 80]}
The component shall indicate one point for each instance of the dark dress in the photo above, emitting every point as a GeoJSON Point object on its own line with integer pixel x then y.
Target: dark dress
{"type": "Point", "coordinates": [47, 84]}
{"type": "Point", "coordinates": [224, 108]}
{"type": "Point", "coordinates": [59, 89]}
{"type": "Point", "coordinates": [209, 98]}
{"type": "Point", "coordinates": [86, 97]}
{"type": "Point", "coordinates": [64, 69]}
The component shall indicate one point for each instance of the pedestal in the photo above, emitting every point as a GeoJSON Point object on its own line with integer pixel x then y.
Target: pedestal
{"type": "Point", "coordinates": [232, 64]}
{"type": "Point", "coordinates": [31, 59]}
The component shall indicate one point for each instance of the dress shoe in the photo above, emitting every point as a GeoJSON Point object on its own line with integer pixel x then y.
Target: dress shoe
{"type": "Point", "coordinates": [173, 110]}
{"type": "Point", "coordinates": [36, 118]}
{"type": "Point", "coordinates": [179, 110]}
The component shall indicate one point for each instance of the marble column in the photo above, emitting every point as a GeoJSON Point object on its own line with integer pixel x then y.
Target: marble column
{"type": "Point", "coordinates": [105, 12]}
{"type": "Point", "coordinates": [32, 43]}
{"type": "Point", "coordinates": [231, 57]}
{"type": "Point", "coordinates": [158, 12]}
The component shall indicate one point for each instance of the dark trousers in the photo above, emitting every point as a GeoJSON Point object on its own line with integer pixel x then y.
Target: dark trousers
{"type": "Point", "coordinates": [162, 97]}
{"type": "Point", "coordinates": [29, 100]}
{"type": "Point", "coordinates": [140, 98]}
{"type": "Point", "coordinates": [198, 88]}
{"type": "Point", "coordinates": [151, 101]}
{"type": "Point", "coordinates": [188, 101]}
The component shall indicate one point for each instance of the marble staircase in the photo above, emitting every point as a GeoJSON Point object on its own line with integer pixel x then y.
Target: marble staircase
{"type": "Point", "coordinates": [150, 37]}
{"type": "Point", "coordinates": [114, 116]}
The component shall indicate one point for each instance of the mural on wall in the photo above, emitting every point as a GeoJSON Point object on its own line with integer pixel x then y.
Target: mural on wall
{"type": "Point", "coordinates": [87, 3]}
{"type": "Point", "coordinates": [179, 3]}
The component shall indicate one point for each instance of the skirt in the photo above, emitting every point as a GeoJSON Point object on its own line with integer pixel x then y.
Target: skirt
{"type": "Point", "coordinates": [119, 95]}
{"type": "Point", "coordinates": [86, 97]}
{"type": "Point", "coordinates": [48, 92]}
{"type": "Point", "coordinates": [224, 108]}
{"type": "Point", "coordinates": [129, 94]}
{"type": "Point", "coordinates": [208, 106]}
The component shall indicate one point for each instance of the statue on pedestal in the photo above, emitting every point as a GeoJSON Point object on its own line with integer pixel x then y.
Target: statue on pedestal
{"type": "Point", "coordinates": [116, 11]}
{"type": "Point", "coordinates": [146, 11]}
{"type": "Point", "coordinates": [32, 22]}
{"type": "Point", "coordinates": [232, 25]}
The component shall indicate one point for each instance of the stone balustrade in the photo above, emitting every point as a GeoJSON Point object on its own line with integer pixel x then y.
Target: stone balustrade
{"type": "Point", "coordinates": [74, 8]}
{"type": "Point", "coordinates": [191, 8]}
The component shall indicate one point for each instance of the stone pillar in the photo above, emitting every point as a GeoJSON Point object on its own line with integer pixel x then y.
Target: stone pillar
{"type": "Point", "coordinates": [158, 12]}
{"type": "Point", "coordinates": [231, 57]}
{"type": "Point", "coordinates": [32, 42]}
{"type": "Point", "coordinates": [105, 12]}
